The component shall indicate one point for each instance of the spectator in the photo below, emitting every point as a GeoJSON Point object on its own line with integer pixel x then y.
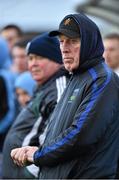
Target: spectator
{"type": "Point", "coordinates": [24, 88]}
{"type": "Point", "coordinates": [19, 62]}
{"type": "Point", "coordinates": [7, 107]}
{"type": "Point", "coordinates": [83, 134]}
{"type": "Point", "coordinates": [111, 53]}
{"type": "Point", "coordinates": [12, 33]}
{"type": "Point", "coordinates": [19, 57]}
{"type": "Point", "coordinates": [45, 65]}
{"type": "Point", "coordinates": [5, 61]}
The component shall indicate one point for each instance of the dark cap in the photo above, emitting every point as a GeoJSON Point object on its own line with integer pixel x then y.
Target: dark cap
{"type": "Point", "coordinates": [68, 27]}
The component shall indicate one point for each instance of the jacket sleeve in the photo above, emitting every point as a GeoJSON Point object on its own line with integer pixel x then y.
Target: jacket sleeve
{"type": "Point", "coordinates": [88, 126]}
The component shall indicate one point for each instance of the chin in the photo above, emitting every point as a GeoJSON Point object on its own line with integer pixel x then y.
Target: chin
{"type": "Point", "coordinates": [36, 78]}
{"type": "Point", "coordinates": [68, 68]}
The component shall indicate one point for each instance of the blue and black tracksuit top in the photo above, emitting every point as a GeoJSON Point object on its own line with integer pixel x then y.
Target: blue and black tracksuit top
{"type": "Point", "coordinates": [82, 140]}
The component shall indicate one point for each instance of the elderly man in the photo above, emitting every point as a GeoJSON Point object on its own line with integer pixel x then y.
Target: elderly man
{"type": "Point", "coordinates": [83, 134]}
{"type": "Point", "coordinates": [45, 65]}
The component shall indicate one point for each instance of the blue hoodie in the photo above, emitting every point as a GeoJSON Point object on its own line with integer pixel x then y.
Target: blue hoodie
{"type": "Point", "coordinates": [5, 61]}
{"type": "Point", "coordinates": [8, 79]}
{"type": "Point", "coordinates": [26, 82]}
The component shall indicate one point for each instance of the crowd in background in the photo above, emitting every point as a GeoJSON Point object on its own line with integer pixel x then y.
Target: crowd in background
{"type": "Point", "coordinates": [16, 83]}
{"type": "Point", "coordinates": [17, 86]}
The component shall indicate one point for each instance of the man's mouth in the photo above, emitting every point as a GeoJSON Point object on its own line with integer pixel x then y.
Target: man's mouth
{"type": "Point", "coordinates": [35, 72]}
{"type": "Point", "coordinates": [68, 60]}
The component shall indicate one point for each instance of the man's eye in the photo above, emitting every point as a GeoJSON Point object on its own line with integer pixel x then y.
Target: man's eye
{"type": "Point", "coordinates": [30, 59]}
{"type": "Point", "coordinates": [61, 41]}
{"type": "Point", "coordinates": [74, 40]}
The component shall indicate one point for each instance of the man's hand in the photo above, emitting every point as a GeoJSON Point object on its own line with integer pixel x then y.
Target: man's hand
{"type": "Point", "coordinates": [23, 156]}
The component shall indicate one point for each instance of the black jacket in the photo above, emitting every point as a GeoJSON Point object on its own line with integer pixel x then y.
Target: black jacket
{"type": "Point", "coordinates": [83, 135]}
{"type": "Point", "coordinates": [31, 122]}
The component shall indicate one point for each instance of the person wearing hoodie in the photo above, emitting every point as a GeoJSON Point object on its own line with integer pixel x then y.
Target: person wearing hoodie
{"type": "Point", "coordinates": [83, 133]}
{"type": "Point", "coordinates": [45, 65]}
{"type": "Point", "coordinates": [24, 88]}
{"type": "Point", "coordinates": [7, 105]}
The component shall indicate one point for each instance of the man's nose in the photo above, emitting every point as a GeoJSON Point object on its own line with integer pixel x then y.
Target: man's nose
{"type": "Point", "coordinates": [106, 54]}
{"type": "Point", "coordinates": [65, 47]}
{"type": "Point", "coordinates": [34, 62]}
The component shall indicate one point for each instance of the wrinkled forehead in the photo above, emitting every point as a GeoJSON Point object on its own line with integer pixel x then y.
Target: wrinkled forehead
{"type": "Point", "coordinates": [66, 37]}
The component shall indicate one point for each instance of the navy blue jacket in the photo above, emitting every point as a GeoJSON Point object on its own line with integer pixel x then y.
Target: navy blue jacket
{"type": "Point", "coordinates": [83, 136]}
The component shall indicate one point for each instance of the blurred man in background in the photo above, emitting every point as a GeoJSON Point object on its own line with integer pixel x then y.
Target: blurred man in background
{"type": "Point", "coordinates": [7, 105]}
{"type": "Point", "coordinates": [111, 53]}
{"type": "Point", "coordinates": [12, 33]}
{"type": "Point", "coordinates": [19, 57]}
